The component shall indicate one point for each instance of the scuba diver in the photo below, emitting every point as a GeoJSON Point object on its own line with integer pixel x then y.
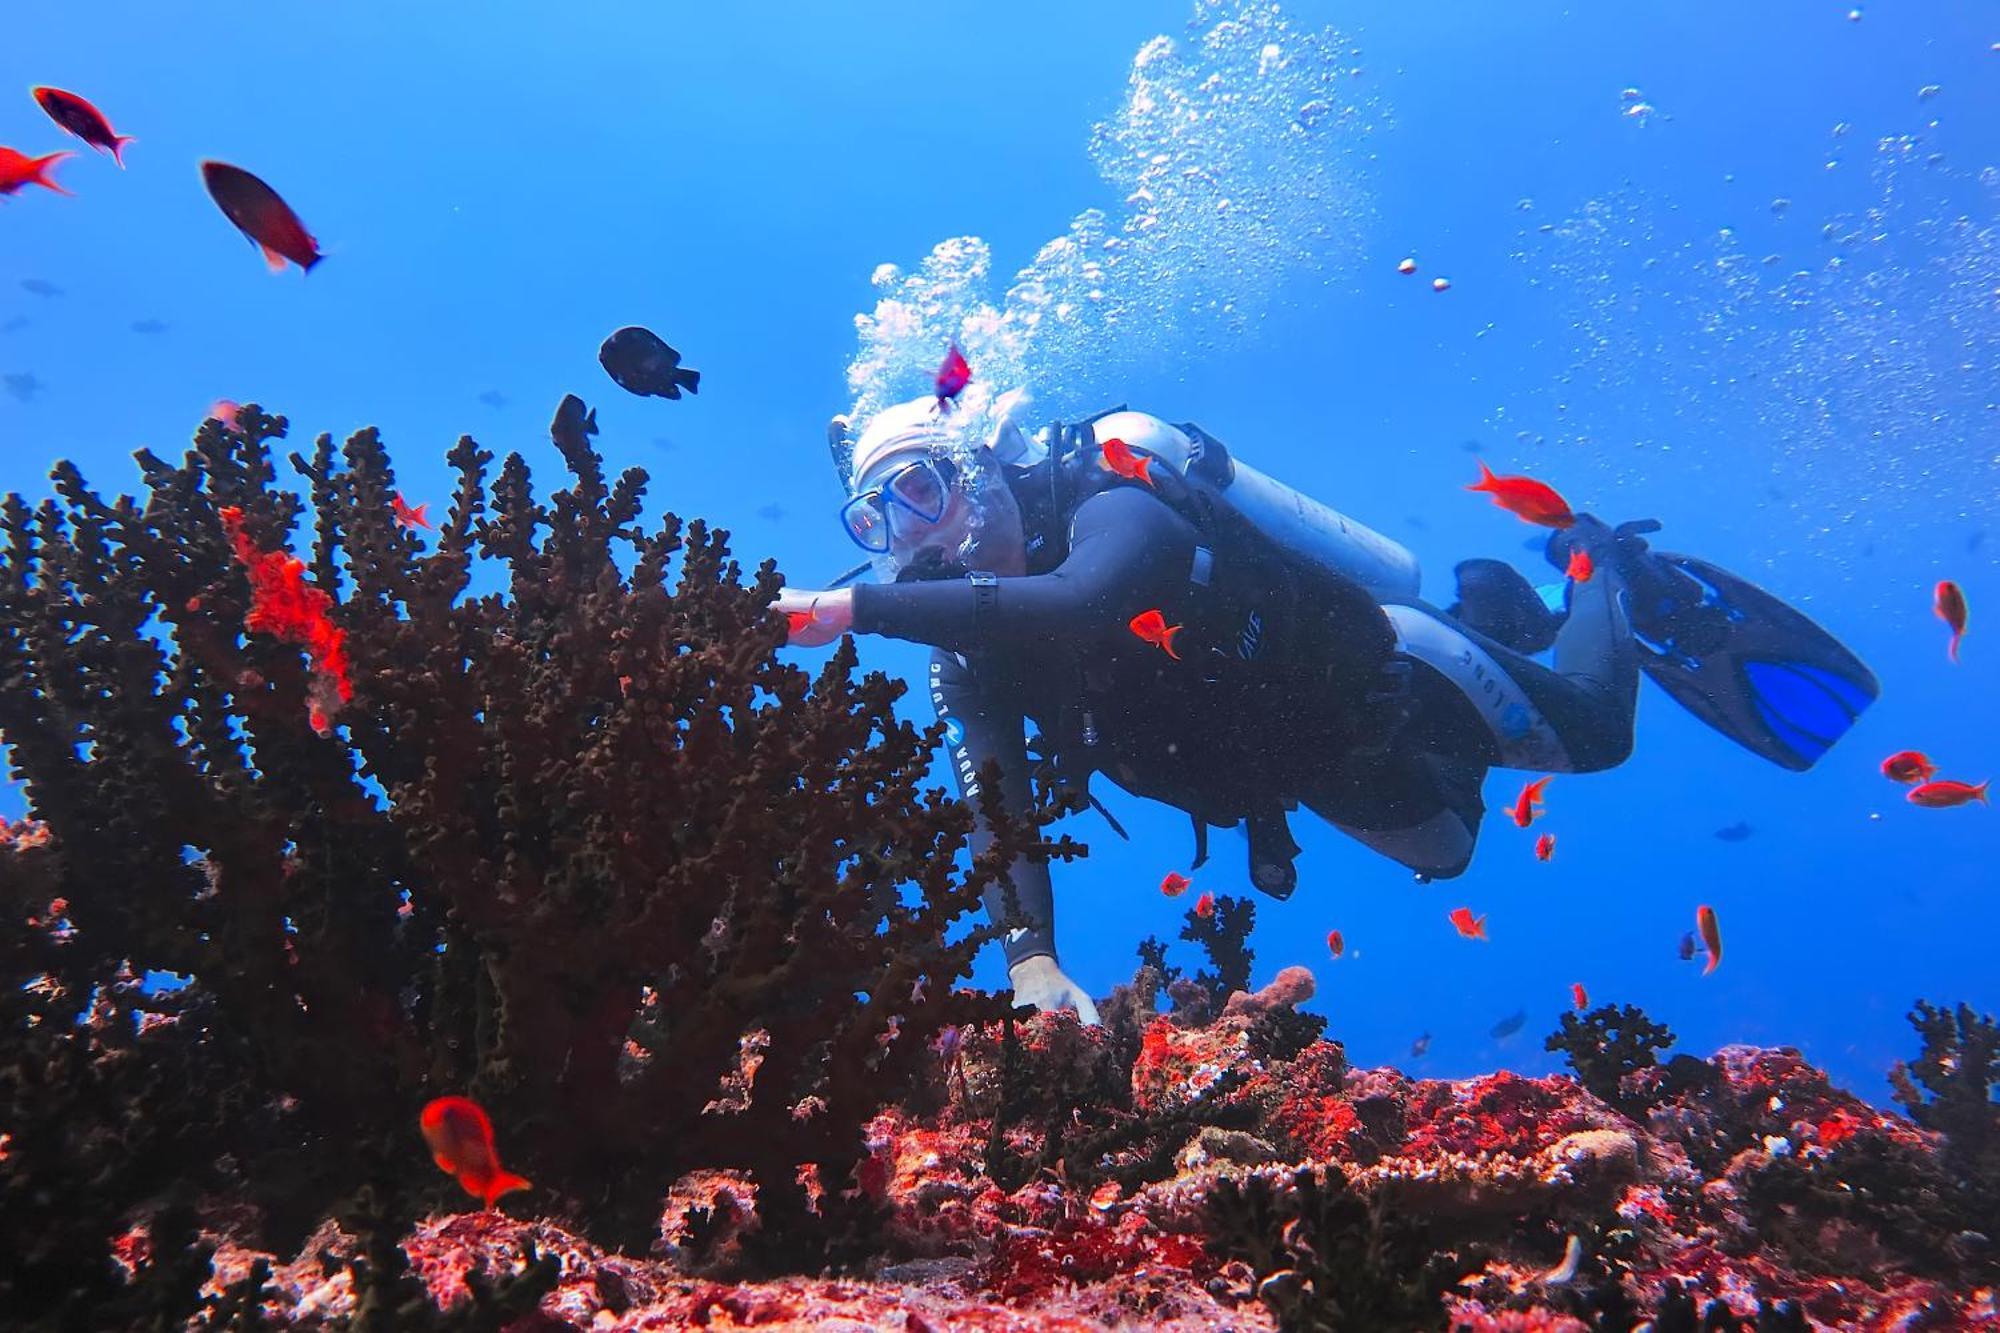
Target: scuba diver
{"type": "Point", "coordinates": [1291, 661]}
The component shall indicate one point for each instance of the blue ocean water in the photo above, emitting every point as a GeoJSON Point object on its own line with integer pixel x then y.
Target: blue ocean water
{"type": "Point", "coordinates": [1738, 273]}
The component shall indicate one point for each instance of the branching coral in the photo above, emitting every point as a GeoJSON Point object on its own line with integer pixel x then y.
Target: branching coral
{"type": "Point", "coordinates": [1958, 1073]}
{"type": "Point", "coordinates": [1322, 1257]}
{"type": "Point", "coordinates": [1606, 1044]}
{"type": "Point", "coordinates": [1225, 936]}
{"type": "Point", "coordinates": [584, 848]}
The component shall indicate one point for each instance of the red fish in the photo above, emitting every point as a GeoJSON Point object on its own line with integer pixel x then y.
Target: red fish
{"type": "Point", "coordinates": [1473, 928]}
{"type": "Point", "coordinates": [83, 120]}
{"type": "Point", "coordinates": [1908, 766]}
{"type": "Point", "coordinates": [408, 517]}
{"type": "Point", "coordinates": [952, 377]}
{"type": "Point", "coordinates": [1336, 944]}
{"type": "Point", "coordinates": [1525, 498]}
{"type": "Point", "coordinates": [1711, 936]}
{"type": "Point", "coordinates": [1545, 846]}
{"type": "Point", "coordinates": [284, 605]}
{"type": "Point", "coordinates": [1175, 884]}
{"type": "Point", "coordinates": [18, 169]}
{"type": "Point", "coordinates": [461, 1140]}
{"type": "Point", "coordinates": [1581, 567]}
{"type": "Point", "coordinates": [1579, 994]}
{"type": "Point", "coordinates": [1116, 456]}
{"type": "Point", "coordinates": [261, 215]}
{"type": "Point", "coordinates": [1153, 628]}
{"type": "Point", "coordinates": [1949, 603]}
{"type": "Point", "coordinates": [225, 410]}
{"type": "Point", "coordinates": [1204, 906]}
{"type": "Point", "coordinates": [1529, 803]}
{"type": "Point", "coordinates": [1944, 793]}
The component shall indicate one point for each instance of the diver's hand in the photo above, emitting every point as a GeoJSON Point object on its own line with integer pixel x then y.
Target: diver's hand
{"type": "Point", "coordinates": [817, 617]}
{"type": "Point", "coordinates": [1040, 982]}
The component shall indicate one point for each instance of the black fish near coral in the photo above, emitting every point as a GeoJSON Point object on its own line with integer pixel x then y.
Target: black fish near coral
{"type": "Point", "coordinates": [642, 363]}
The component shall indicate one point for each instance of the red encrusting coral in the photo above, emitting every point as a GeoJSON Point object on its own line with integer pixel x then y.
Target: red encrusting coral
{"type": "Point", "coordinates": [283, 604]}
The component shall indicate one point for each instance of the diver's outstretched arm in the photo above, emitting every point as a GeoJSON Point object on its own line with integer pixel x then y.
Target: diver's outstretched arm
{"type": "Point", "coordinates": [983, 727]}
{"type": "Point", "coordinates": [980, 727]}
{"type": "Point", "coordinates": [1128, 552]}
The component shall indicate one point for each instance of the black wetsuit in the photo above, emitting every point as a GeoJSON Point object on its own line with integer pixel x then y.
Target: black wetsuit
{"type": "Point", "coordinates": [1290, 689]}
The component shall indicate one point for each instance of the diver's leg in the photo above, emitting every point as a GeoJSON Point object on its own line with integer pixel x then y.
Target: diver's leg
{"type": "Point", "coordinates": [1421, 810]}
{"type": "Point", "coordinates": [1482, 702]}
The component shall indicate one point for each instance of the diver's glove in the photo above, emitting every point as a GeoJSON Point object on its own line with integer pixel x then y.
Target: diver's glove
{"type": "Point", "coordinates": [1038, 981]}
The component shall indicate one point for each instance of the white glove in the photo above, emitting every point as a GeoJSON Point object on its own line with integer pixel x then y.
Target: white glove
{"type": "Point", "coordinates": [1040, 982]}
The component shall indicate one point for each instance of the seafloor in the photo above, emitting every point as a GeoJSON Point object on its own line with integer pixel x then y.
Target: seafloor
{"type": "Point", "coordinates": [1739, 1191]}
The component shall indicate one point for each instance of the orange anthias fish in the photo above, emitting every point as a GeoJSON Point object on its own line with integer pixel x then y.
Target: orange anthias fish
{"type": "Point", "coordinates": [1908, 766]}
{"type": "Point", "coordinates": [80, 118]}
{"type": "Point", "coordinates": [408, 517]}
{"type": "Point", "coordinates": [1336, 944]}
{"type": "Point", "coordinates": [1949, 603]}
{"type": "Point", "coordinates": [1205, 905]}
{"type": "Point", "coordinates": [1944, 793]}
{"type": "Point", "coordinates": [225, 410]}
{"type": "Point", "coordinates": [1525, 498]}
{"type": "Point", "coordinates": [1116, 456]}
{"type": "Point", "coordinates": [1579, 995]}
{"type": "Point", "coordinates": [1711, 936]}
{"type": "Point", "coordinates": [261, 215]}
{"type": "Point", "coordinates": [1528, 804]}
{"type": "Point", "coordinates": [1545, 846]}
{"type": "Point", "coordinates": [1175, 884]}
{"type": "Point", "coordinates": [1152, 627]}
{"type": "Point", "coordinates": [953, 374]}
{"type": "Point", "coordinates": [18, 169]}
{"type": "Point", "coordinates": [461, 1140]}
{"type": "Point", "coordinates": [1580, 566]}
{"type": "Point", "coordinates": [1473, 928]}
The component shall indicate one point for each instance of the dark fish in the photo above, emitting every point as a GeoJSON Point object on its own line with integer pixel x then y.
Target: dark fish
{"type": "Point", "coordinates": [1416, 523]}
{"type": "Point", "coordinates": [40, 287]}
{"type": "Point", "coordinates": [14, 324]}
{"type": "Point", "coordinates": [260, 214]}
{"type": "Point", "coordinates": [1509, 1025]}
{"type": "Point", "coordinates": [663, 444]}
{"type": "Point", "coordinates": [643, 364]}
{"type": "Point", "coordinates": [22, 384]}
{"type": "Point", "coordinates": [1736, 832]}
{"type": "Point", "coordinates": [148, 326]}
{"type": "Point", "coordinates": [493, 398]}
{"type": "Point", "coordinates": [1686, 952]}
{"type": "Point", "coordinates": [771, 513]}
{"type": "Point", "coordinates": [1976, 540]}
{"type": "Point", "coordinates": [1421, 1046]}
{"type": "Point", "coordinates": [1539, 545]}
{"type": "Point", "coordinates": [85, 121]}
{"type": "Point", "coordinates": [1472, 446]}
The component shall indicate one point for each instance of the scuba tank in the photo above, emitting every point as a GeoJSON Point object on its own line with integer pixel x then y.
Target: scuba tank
{"type": "Point", "coordinates": [1300, 525]}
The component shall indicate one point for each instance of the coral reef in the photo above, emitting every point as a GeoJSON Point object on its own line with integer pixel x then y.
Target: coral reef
{"type": "Point", "coordinates": [522, 817]}
{"type": "Point", "coordinates": [583, 848]}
